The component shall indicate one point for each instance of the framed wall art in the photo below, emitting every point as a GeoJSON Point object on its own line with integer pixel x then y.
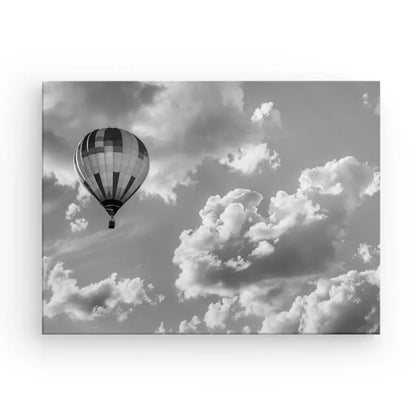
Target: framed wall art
{"type": "Point", "coordinates": [211, 207]}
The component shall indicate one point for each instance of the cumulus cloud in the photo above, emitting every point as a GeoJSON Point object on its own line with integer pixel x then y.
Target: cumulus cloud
{"type": "Point", "coordinates": [57, 158]}
{"type": "Point", "coordinates": [365, 99]}
{"type": "Point", "coordinates": [371, 104]}
{"type": "Point", "coordinates": [83, 197]}
{"type": "Point", "coordinates": [81, 201]}
{"type": "Point", "coordinates": [218, 312]}
{"type": "Point", "coordinates": [191, 326]}
{"type": "Point", "coordinates": [297, 238]}
{"type": "Point", "coordinates": [69, 105]}
{"type": "Point", "coordinates": [238, 264]}
{"type": "Point", "coordinates": [346, 181]}
{"type": "Point", "coordinates": [345, 304]}
{"type": "Point", "coordinates": [78, 225]}
{"type": "Point", "coordinates": [247, 330]}
{"type": "Point", "coordinates": [72, 210]}
{"type": "Point", "coordinates": [266, 112]}
{"type": "Point", "coordinates": [364, 252]}
{"type": "Point", "coordinates": [262, 249]}
{"type": "Point", "coordinates": [250, 158]}
{"type": "Point", "coordinates": [181, 124]}
{"type": "Point", "coordinates": [161, 329]}
{"type": "Point", "coordinates": [268, 296]}
{"type": "Point", "coordinates": [160, 298]}
{"type": "Point", "coordinates": [109, 297]}
{"type": "Point", "coordinates": [194, 121]}
{"type": "Point", "coordinates": [367, 252]}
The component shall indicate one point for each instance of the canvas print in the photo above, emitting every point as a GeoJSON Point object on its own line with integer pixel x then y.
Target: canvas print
{"type": "Point", "coordinates": [211, 207]}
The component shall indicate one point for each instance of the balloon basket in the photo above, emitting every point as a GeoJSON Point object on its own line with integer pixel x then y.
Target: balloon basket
{"type": "Point", "coordinates": [112, 223]}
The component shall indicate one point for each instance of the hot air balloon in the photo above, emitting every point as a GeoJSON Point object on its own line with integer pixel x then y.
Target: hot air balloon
{"type": "Point", "coordinates": [111, 164]}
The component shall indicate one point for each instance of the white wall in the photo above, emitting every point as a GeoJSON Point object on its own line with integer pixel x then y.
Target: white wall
{"type": "Point", "coordinates": [181, 40]}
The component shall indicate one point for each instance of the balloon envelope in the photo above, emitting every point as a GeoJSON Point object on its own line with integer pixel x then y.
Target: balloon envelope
{"type": "Point", "coordinates": [112, 164]}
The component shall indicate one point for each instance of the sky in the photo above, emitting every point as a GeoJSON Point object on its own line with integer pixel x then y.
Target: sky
{"type": "Point", "coordinates": [260, 213]}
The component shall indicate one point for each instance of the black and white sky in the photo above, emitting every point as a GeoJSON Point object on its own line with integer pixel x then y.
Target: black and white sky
{"type": "Point", "coordinates": [260, 213]}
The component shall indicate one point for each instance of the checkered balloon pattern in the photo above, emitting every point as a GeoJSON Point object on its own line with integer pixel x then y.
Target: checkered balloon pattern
{"type": "Point", "coordinates": [112, 164]}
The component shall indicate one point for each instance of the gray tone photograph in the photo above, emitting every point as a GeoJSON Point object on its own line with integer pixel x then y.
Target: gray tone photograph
{"type": "Point", "coordinates": [211, 207]}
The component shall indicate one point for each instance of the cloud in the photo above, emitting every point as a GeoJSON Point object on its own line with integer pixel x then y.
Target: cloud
{"type": "Point", "coordinates": [180, 123]}
{"type": "Point", "coordinates": [109, 297]}
{"type": "Point", "coordinates": [46, 264]}
{"type": "Point", "coordinates": [262, 249]}
{"type": "Point", "coordinates": [72, 210]}
{"type": "Point", "coordinates": [191, 122]}
{"type": "Point", "coordinates": [161, 329]}
{"type": "Point", "coordinates": [364, 252]}
{"type": "Point", "coordinates": [370, 104]}
{"type": "Point", "coordinates": [160, 298]}
{"type": "Point", "coordinates": [266, 112]}
{"type": "Point", "coordinates": [345, 181]}
{"type": "Point", "coordinates": [189, 326]}
{"type": "Point", "coordinates": [69, 105]}
{"type": "Point", "coordinates": [269, 296]}
{"type": "Point", "coordinates": [218, 312]}
{"type": "Point", "coordinates": [367, 252]}
{"type": "Point", "coordinates": [238, 264]}
{"type": "Point", "coordinates": [81, 201]}
{"type": "Point", "coordinates": [83, 197]}
{"type": "Point", "coordinates": [303, 229]}
{"type": "Point", "coordinates": [78, 225]}
{"type": "Point", "coordinates": [345, 304]}
{"type": "Point", "coordinates": [95, 242]}
{"type": "Point", "coordinates": [250, 157]}
{"type": "Point", "coordinates": [57, 158]}
{"type": "Point", "coordinates": [247, 330]}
